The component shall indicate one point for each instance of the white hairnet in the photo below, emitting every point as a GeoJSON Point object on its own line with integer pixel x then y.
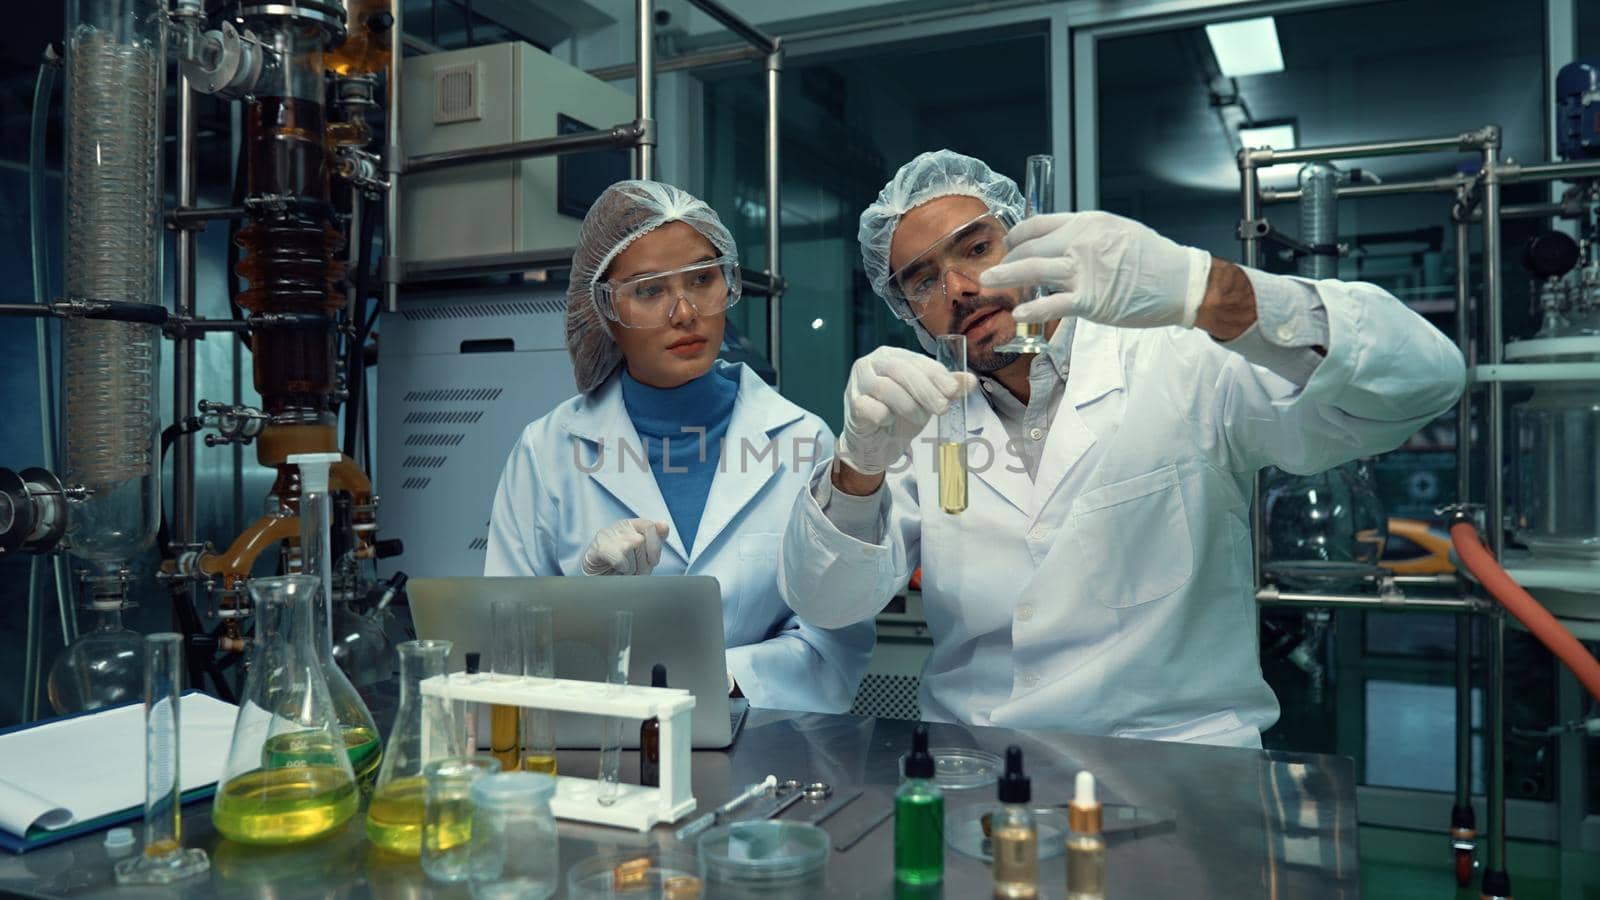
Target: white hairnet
{"type": "Point", "coordinates": [623, 213]}
{"type": "Point", "coordinates": [934, 174]}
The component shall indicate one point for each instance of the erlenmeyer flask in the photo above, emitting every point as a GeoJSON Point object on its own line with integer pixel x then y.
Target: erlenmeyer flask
{"type": "Point", "coordinates": [288, 777]}
{"type": "Point", "coordinates": [356, 726]}
{"type": "Point", "coordinates": [1324, 531]}
{"type": "Point", "coordinates": [394, 818]}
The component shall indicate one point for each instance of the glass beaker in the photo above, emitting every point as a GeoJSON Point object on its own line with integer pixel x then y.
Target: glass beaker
{"type": "Point", "coordinates": [952, 354]}
{"type": "Point", "coordinates": [513, 850]}
{"type": "Point", "coordinates": [447, 814]}
{"type": "Point", "coordinates": [356, 727]}
{"type": "Point", "coordinates": [1039, 195]}
{"type": "Point", "coordinates": [394, 817]}
{"type": "Point", "coordinates": [288, 777]}
{"type": "Point", "coordinates": [538, 661]}
{"type": "Point", "coordinates": [1326, 530]}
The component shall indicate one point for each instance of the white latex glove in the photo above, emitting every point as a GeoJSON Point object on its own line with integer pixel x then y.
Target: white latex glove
{"type": "Point", "coordinates": [628, 547]}
{"type": "Point", "coordinates": [890, 397]}
{"type": "Point", "coordinates": [1105, 268]}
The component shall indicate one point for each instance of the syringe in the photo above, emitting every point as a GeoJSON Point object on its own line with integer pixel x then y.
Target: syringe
{"type": "Point", "coordinates": [701, 823]}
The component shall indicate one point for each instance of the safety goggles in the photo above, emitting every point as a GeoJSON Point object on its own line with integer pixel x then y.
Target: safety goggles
{"type": "Point", "coordinates": [648, 301]}
{"type": "Point", "coordinates": [969, 250]}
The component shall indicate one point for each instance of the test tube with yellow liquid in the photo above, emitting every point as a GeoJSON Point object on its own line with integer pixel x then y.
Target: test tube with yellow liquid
{"type": "Point", "coordinates": [951, 351]}
{"type": "Point", "coordinates": [1039, 196]}
{"type": "Point", "coordinates": [505, 661]}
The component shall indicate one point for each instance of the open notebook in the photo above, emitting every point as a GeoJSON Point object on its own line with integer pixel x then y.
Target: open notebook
{"type": "Point", "coordinates": [69, 776]}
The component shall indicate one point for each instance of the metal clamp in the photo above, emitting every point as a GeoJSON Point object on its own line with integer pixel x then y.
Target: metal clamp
{"type": "Point", "coordinates": [234, 424]}
{"type": "Point", "coordinates": [33, 511]}
{"type": "Point", "coordinates": [361, 169]}
{"type": "Point", "coordinates": [226, 63]}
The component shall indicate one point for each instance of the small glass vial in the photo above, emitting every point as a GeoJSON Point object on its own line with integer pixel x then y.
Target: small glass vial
{"type": "Point", "coordinates": [650, 737]}
{"type": "Point", "coordinates": [1015, 837]}
{"type": "Point", "coordinates": [1086, 847]}
{"type": "Point", "coordinates": [919, 818]}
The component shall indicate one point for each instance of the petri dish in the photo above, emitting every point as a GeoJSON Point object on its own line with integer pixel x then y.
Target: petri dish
{"type": "Point", "coordinates": [641, 875]}
{"type": "Point", "coordinates": [965, 832]}
{"type": "Point", "coordinates": [961, 768]}
{"type": "Point", "coordinates": [764, 852]}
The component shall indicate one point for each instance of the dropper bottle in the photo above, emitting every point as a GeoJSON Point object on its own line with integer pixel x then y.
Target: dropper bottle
{"type": "Point", "coordinates": [650, 737]}
{"type": "Point", "coordinates": [1014, 835]}
{"type": "Point", "coordinates": [919, 818]}
{"type": "Point", "coordinates": [1086, 847]}
{"type": "Point", "coordinates": [468, 709]}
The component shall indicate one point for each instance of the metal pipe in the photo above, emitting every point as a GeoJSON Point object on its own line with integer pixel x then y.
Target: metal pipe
{"type": "Point", "coordinates": [1266, 156]}
{"type": "Point", "coordinates": [418, 44]}
{"type": "Point", "coordinates": [624, 135]}
{"type": "Point", "coordinates": [188, 215]}
{"type": "Point", "coordinates": [1463, 671]}
{"type": "Point", "coordinates": [774, 216]}
{"type": "Point", "coordinates": [183, 356]}
{"type": "Point", "coordinates": [1549, 171]}
{"type": "Point", "coordinates": [644, 151]}
{"type": "Point", "coordinates": [701, 60]}
{"type": "Point", "coordinates": [1272, 596]}
{"type": "Point", "coordinates": [730, 20]}
{"type": "Point", "coordinates": [1250, 242]}
{"type": "Point", "coordinates": [393, 167]}
{"type": "Point", "coordinates": [1494, 505]}
{"type": "Point", "coordinates": [353, 249]}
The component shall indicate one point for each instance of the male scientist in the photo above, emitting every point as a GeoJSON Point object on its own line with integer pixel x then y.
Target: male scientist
{"type": "Point", "coordinates": [1099, 580]}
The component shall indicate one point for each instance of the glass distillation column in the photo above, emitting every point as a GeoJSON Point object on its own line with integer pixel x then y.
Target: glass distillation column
{"type": "Point", "coordinates": [114, 59]}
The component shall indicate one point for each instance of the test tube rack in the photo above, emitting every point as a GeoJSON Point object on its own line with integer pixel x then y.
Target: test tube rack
{"type": "Point", "coordinates": [577, 799]}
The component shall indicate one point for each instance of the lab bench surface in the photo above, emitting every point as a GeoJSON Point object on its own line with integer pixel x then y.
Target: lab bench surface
{"type": "Point", "coordinates": [1243, 823]}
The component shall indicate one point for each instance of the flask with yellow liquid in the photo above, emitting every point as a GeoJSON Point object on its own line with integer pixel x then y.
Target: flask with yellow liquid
{"type": "Point", "coordinates": [395, 815]}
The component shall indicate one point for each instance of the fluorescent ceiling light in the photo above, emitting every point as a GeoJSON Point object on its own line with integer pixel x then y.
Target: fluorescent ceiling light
{"type": "Point", "coordinates": [1278, 137]}
{"type": "Point", "coordinates": [1246, 47]}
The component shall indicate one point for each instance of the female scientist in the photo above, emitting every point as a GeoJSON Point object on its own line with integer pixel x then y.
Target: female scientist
{"type": "Point", "coordinates": [670, 461]}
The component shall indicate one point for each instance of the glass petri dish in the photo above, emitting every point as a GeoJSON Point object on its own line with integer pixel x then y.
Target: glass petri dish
{"type": "Point", "coordinates": [961, 768]}
{"type": "Point", "coordinates": [764, 852]}
{"type": "Point", "coordinates": [965, 830]}
{"type": "Point", "coordinates": [641, 875]}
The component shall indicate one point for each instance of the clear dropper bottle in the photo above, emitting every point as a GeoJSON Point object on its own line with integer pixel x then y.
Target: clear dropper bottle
{"type": "Point", "coordinates": [1086, 846]}
{"type": "Point", "coordinates": [1015, 836]}
{"type": "Point", "coordinates": [951, 350]}
{"type": "Point", "coordinates": [1039, 196]}
{"type": "Point", "coordinates": [919, 818]}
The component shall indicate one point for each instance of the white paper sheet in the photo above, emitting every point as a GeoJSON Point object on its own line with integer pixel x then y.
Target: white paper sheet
{"type": "Point", "coordinates": [58, 774]}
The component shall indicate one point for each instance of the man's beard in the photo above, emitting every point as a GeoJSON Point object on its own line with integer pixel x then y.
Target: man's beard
{"type": "Point", "coordinates": [984, 360]}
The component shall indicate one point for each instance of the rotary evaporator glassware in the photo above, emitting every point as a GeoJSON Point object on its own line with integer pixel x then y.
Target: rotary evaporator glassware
{"type": "Point", "coordinates": [288, 777]}
{"type": "Point", "coordinates": [1557, 474]}
{"type": "Point", "coordinates": [1039, 195]}
{"type": "Point", "coordinates": [1324, 531]}
{"type": "Point", "coordinates": [951, 350]}
{"type": "Point", "coordinates": [356, 726]}
{"type": "Point", "coordinates": [103, 667]}
{"type": "Point", "coordinates": [395, 815]}
{"type": "Point", "coordinates": [165, 859]}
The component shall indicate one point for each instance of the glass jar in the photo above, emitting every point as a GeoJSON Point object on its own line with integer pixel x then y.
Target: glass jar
{"type": "Point", "coordinates": [1558, 470]}
{"type": "Point", "coordinates": [513, 848]}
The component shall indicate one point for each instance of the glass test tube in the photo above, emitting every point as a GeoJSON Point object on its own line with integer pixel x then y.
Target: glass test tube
{"type": "Point", "coordinates": [505, 661]}
{"type": "Point", "coordinates": [164, 859]}
{"type": "Point", "coordinates": [538, 661]}
{"type": "Point", "coordinates": [1039, 196]}
{"type": "Point", "coordinates": [611, 730]}
{"type": "Point", "coordinates": [951, 350]}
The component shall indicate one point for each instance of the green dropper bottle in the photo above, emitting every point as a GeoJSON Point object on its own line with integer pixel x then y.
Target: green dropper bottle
{"type": "Point", "coordinates": [919, 818]}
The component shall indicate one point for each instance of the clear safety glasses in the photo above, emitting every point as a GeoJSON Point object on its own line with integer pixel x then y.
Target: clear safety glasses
{"type": "Point", "coordinates": [647, 301]}
{"type": "Point", "coordinates": [969, 250]}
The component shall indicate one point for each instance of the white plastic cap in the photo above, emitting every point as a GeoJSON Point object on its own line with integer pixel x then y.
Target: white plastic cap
{"type": "Point", "coordinates": [119, 841]}
{"type": "Point", "coordinates": [314, 470]}
{"type": "Point", "coordinates": [1083, 790]}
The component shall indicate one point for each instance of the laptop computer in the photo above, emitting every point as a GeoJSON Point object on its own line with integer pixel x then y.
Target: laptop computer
{"type": "Point", "coordinates": [677, 621]}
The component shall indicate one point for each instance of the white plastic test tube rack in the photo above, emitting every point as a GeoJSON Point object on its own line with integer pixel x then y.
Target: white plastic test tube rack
{"type": "Point", "coordinates": [576, 799]}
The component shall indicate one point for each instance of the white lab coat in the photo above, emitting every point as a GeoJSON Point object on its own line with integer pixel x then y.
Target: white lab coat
{"type": "Point", "coordinates": [582, 467]}
{"type": "Point", "coordinates": [1114, 594]}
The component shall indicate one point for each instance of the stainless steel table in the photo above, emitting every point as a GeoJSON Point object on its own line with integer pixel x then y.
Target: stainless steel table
{"type": "Point", "coordinates": [1244, 823]}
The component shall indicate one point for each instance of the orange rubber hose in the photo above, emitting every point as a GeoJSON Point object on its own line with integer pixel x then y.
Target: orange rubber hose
{"type": "Point", "coordinates": [1521, 604]}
